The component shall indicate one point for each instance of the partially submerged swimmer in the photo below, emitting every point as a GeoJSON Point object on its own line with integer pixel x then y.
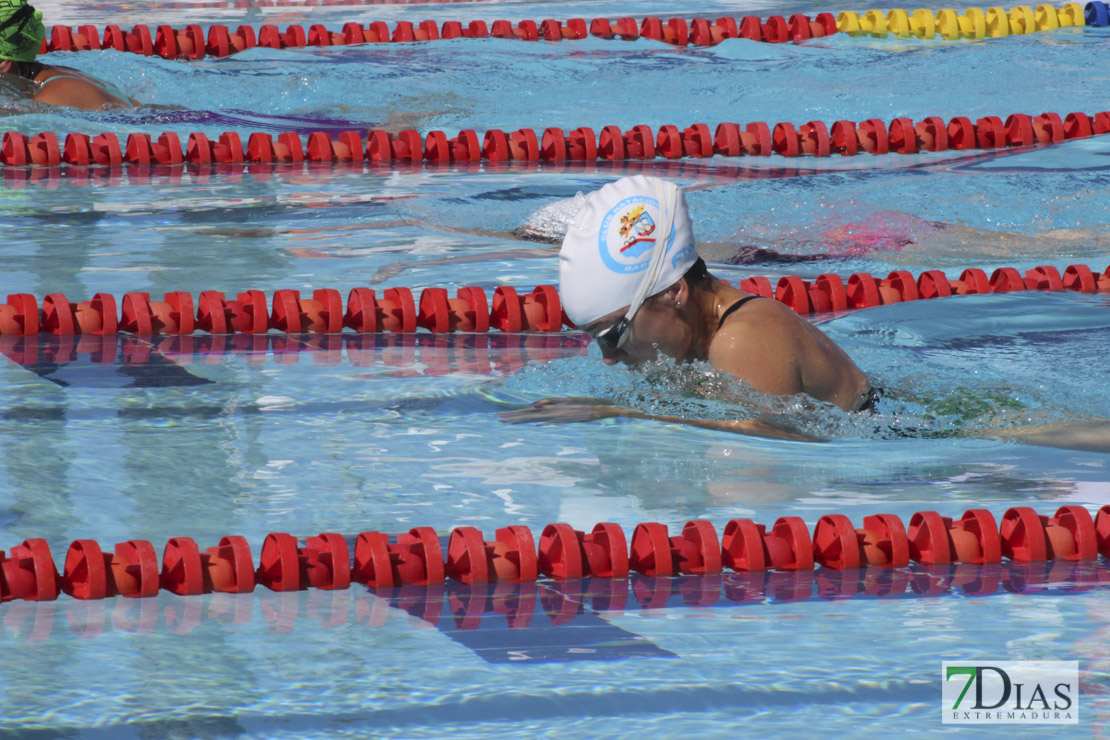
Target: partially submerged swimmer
{"type": "Point", "coordinates": [633, 281]}
{"type": "Point", "coordinates": [630, 277]}
{"type": "Point", "coordinates": [548, 226]}
{"type": "Point", "coordinates": [21, 34]}
{"type": "Point", "coordinates": [894, 237]}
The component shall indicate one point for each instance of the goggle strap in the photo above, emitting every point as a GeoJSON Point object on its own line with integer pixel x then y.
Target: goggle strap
{"type": "Point", "coordinates": [657, 256]}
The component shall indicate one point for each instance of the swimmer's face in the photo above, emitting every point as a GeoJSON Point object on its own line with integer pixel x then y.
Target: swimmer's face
{"type": "Point", "coordinates": [614, 336]}
{"type": "Point", "coordinates": [653, 329]}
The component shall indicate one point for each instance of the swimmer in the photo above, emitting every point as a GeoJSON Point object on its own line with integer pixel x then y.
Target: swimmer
{"type": "Point", "coordinates": [21, 34]}
{"type": "Point", "coordinates": [630, 277]}
{"type": "Point", "coordinates": [548, 226]}
{"type": "Point", "coordinates": [892, 236]}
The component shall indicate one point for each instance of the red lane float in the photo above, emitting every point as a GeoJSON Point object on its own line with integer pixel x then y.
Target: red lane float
{"type": "Point", "coordinates": [611, 143]}
{"type": "Point", "coordinates": [397, 310]}
{"type": "Point", "coordinates": [861, 290]}
{"type": "Point", "coordinates": [566, 553]}
{"type": "Point", "coordinates": [694, 552]}
{"type": "Point", "coordinates": [511, 557]}
{"type": "Point", "coordinates": [413, 558]}
{"type": "Point", "coordinates": [28, 573]}
{"type": "Point", "coordinates": [747, 546]}
{"type": "Point", "coordinates": [519, 605]}
{"type": "Point", "coordinates": [324, 562]}
{"type": "Point", "coordinates": [408, 354]}
{"type": "Point", "coordinates": [90, 573]}
{"type": "Point", "coordinates": [417, 558]}
{"type": "Point", "coordinates": [225, 568]}
{"type": "Point", "coordinates": [191, 42]}
{"type": "Point", "coordinates": [882, 542]}
{"type": "Point", "coordinates": [1068, 535]}
{"type": "Point", "coordinates": [937, 540]}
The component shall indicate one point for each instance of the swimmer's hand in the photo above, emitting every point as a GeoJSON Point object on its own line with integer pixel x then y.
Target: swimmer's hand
{"type": "Point", "coordinates": [571, 410]}
{"type": "Point", "coordinates": [386, 272]}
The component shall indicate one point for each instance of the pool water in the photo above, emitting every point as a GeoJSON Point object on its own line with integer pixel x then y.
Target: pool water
{"type": "Point", "coordinates": [155, 438]}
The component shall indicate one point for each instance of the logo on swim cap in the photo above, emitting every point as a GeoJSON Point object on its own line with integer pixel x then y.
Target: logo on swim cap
{"type": "Point", "coordinates": [626, 243]}
{"type": "Point", "coordinates": [637, 229]}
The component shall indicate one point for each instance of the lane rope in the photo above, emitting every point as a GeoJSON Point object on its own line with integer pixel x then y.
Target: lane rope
{"type": "Point", "coordinates": [553, 603]}
{"type": "Point", "coordinates": [191, 42]}
{"type": "Point", "coordinates": [397, 310]}
{"type": "Point", "coordinates": [410, 354]}
{"type": "Point", "coordinates": [901, 135]}
{"type": "Point", "coordinates": [418, 557]}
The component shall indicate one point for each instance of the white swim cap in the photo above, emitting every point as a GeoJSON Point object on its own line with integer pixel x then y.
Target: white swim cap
{"type": "Point", "coordinates": [607, 262]}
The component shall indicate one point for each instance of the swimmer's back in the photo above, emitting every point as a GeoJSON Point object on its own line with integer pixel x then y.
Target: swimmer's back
{"type": "Point", "coordinates": [63, 87]}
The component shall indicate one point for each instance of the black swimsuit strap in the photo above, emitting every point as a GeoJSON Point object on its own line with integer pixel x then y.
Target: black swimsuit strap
{"type": "Point", "coordinates": [733, 308]}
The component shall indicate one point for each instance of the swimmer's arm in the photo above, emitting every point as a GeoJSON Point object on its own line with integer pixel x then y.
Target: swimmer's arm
{"type": "Point", "coordinates": [1086, 436]}
{"type": "Point", "coordinates": [750, 427]}
{"type": "Point", "coordinates": [570, 410]}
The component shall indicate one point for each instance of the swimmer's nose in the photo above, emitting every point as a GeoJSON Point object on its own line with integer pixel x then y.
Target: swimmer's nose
{"type": "Point", "coordinates": [612, 356]}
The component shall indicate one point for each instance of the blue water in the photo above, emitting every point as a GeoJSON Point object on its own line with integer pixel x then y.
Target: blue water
{"type": "Point", "coordinates": [161, 438]}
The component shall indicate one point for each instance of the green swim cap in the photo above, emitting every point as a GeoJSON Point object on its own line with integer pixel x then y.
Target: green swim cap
{"type": "Point", "coordinates": [21, 31]}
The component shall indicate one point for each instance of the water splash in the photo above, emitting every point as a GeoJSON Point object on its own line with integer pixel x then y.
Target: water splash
{"type": "Point", "coordinates": [910, 406]}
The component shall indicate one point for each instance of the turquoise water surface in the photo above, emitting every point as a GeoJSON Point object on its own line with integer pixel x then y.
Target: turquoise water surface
{"type": "Point", "coordinates": [159, 438]}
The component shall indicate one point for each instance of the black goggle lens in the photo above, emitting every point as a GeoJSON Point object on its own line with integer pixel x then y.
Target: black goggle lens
{"type": "Point", "coordinates": [614, 335]}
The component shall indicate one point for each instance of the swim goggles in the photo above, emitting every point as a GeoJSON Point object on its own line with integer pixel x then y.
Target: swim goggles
{"type": "Point", "coordinates": [615, 335]}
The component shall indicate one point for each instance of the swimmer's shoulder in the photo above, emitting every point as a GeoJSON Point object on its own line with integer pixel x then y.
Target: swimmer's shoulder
{"type": "Point", "coordinates": [755, 312]}
{"type": "Point", "coordinates": [762, 329]}
{"type": "Point", "coordinates": [756, 344]}
{"type": "Point", "coordinates": [758, 322]}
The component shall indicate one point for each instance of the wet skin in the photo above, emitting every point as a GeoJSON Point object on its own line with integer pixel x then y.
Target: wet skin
{"type": "Point", "coordinates": [70, 91]}
{"type": "Point", "coordinates": [763, 343]}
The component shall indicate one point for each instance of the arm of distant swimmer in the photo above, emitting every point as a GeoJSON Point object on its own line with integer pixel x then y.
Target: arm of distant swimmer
{"type": "Point", "coordinates": [392, 270]}
{"type": "Point", "coordinates": [712, 252]}
{"type": "Point", "coordinates": [387, 271]}
{"type": "Point", "coordinates": [570, 410]}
